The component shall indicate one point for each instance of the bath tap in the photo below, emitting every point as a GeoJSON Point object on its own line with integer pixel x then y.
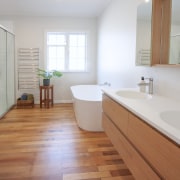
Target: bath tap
{"type": "Point", "coordinates": [149, 84]}
{"type": "Point", "coordinates": [105, 84]}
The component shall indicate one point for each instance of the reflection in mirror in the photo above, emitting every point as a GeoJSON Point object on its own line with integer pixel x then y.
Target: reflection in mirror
{"type": "Point", "coordinates": [143, 33]}
{"type": "Point", "coordinates": [174, 55]}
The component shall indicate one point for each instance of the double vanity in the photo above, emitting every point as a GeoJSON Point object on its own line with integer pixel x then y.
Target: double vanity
{"type": "Point", "coordinates": [145, 129]}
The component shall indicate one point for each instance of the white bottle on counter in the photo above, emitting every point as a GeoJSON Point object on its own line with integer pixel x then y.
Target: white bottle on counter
{"type": "Point", "coordinates": [142, 85]}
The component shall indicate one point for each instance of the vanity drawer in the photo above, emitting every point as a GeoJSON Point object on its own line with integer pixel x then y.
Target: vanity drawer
{"type": "Point", "coordinates": [134, 161]}
{"type": "Point", "coordinates": [117, 113]}
{"type": "Point", "coordinates": [159, 151]}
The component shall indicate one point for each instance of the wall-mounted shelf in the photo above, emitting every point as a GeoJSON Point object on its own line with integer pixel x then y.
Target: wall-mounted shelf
{"type": "Point", "coordinates": [28, 62]}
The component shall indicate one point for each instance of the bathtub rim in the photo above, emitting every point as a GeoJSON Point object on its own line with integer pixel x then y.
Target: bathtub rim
{"type": "Point", "coordinates": [99, 99]}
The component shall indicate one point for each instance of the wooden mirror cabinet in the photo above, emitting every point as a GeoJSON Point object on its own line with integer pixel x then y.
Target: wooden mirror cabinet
{"type": "Point", "coordinates": [155, 44]}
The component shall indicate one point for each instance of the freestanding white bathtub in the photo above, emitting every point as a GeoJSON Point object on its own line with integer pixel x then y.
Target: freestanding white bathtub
{"type": "Point", "coordinates": [87, 101]}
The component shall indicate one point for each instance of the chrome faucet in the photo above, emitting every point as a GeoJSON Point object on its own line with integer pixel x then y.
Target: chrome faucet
{"type": "Point", "coordinates": [149, 84]}
{"type": "Point", "coordinates": [105, 84]}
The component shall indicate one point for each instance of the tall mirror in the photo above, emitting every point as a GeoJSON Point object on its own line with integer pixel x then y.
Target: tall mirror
{"type": "Point", "coordinates": [174, 54]}
{"type": "Point", "coordinates": [143, 33]}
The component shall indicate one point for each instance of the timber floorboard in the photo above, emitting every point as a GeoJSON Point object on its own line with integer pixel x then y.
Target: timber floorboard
{"type": "Point", "coordinates": [47, 144]}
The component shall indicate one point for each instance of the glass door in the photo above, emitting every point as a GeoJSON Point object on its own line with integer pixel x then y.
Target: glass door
{"type": "Point", "coordinates": [10, 70]}
{"type": "Point", "coordinates": [3, 88]}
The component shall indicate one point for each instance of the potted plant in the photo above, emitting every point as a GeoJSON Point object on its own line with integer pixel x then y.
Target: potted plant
{"type": "Point", "coordinates": [47, 75]}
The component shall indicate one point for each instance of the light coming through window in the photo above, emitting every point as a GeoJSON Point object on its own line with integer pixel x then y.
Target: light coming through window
{"type": "Point", "coordinates": [66, 51]}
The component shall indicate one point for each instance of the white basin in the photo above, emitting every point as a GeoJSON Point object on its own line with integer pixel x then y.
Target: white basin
{"type": "Point", "coordinates": [172, 118]}
{"type": "Point", "coordinates": [133, 94]}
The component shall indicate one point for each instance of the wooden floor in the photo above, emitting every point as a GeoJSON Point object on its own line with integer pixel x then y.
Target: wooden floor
{"type": "Point", "coordinates": [46, 144]}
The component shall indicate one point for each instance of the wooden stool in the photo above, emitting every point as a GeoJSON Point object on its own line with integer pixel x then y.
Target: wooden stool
{"type": "Point", "coordinates": [46, 97]}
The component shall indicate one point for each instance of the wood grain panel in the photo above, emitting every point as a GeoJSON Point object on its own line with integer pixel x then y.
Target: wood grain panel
{"type": "Point", "coordinates": [156, 32]}
{"type": "Point", "coordinates": [134, 161]}
{"type": "Point", "coordinates": [161, 27]}
{"type": "Point", "coordinates": [166, 31]}
{"type": "Point", "coordinates": [159, 151]}
{"type": "Point", "coordinates": [118, 114]}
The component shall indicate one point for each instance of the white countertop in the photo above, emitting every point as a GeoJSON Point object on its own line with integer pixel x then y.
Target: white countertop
{"type": "Point", "coordinates": [149, 110]}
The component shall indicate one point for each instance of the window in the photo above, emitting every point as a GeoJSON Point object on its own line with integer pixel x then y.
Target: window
{"type": "Point", "coordinates": [66, 51]}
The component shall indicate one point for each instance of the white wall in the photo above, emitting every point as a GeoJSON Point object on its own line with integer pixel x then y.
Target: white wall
{"type": "Point", "coordinates": [116, 44]}
{"type": "Point", "coordinates": [116, 52]}
{"type": "Point", "coordinates": [30, 32]}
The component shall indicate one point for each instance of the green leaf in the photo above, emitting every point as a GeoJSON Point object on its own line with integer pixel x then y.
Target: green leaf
{"type": "Point", "coordinates": [45, 74]}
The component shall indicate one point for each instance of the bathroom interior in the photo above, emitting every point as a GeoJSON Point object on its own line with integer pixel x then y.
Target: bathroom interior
{"type": "Point", "coordinates": [126, 40]}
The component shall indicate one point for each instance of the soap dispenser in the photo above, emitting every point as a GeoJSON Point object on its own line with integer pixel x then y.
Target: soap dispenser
{"type": "Point", "coordinates": [142, 85]}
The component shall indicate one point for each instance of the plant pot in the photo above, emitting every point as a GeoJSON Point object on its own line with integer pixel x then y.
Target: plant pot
{"type": "Point", "coordinates": [46, 82]}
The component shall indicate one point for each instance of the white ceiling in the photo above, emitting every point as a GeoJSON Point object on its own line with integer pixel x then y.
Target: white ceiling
{"type": "Point", "coordinates": [87, 8]}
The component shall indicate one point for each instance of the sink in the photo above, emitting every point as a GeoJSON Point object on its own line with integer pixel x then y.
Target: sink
{"type": "Point", "coordinates": [172, 118]}
{"type": "Point", "coordinates": [133, 94]}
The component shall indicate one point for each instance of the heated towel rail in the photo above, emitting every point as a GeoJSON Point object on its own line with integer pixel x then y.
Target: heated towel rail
{"type": "Point", "coordinates": [28, 62]}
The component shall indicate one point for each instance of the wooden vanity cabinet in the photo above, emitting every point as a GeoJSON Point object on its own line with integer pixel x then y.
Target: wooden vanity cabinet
{"type": "Point", "coordinates": [158, 150]}
{"type": "Point", "coordinates": [115, 124]}
{"type": "Point", "coordinates": [139, 168]}
{"type": "Point", "coordinates": [117, 113]}
{"type": "Point", "coordinates": [147, 153]}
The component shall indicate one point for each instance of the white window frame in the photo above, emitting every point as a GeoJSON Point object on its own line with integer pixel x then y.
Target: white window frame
{"type": "Point", "coordinates": [66, 33]}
